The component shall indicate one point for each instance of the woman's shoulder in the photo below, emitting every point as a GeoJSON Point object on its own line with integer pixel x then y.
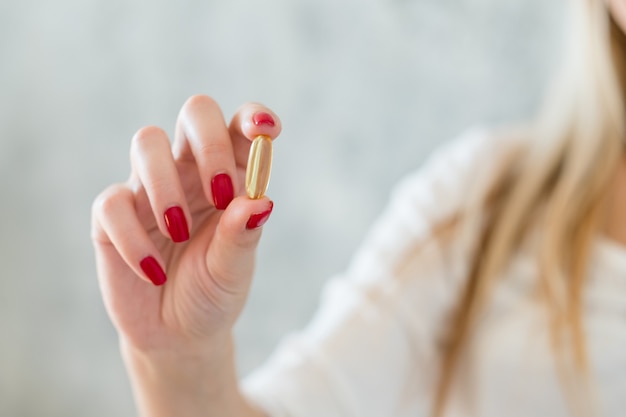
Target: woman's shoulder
{"type": "Point", "coordinates": [460, 169]}
{"type": "Point", "coordinates": [427, 202]}
{"type": "Point", "coordinates": [455, 176]}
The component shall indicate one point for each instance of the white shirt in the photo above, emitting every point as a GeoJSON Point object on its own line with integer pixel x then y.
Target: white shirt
{"type": "Point", "coordinates": [371, 350]}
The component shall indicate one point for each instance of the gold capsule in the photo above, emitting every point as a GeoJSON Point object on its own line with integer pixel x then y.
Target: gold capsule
{"type": "Point", "coordinates": [259, 166]}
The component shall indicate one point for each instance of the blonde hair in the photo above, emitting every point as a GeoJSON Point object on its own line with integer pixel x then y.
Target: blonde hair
{"type": "Point", "coordinates": [560, 183]}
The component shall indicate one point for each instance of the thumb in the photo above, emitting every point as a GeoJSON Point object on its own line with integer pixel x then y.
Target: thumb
{"type": "Point", "coordinates": [231, 255]}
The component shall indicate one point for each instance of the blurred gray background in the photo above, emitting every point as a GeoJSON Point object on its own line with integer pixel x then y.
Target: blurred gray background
{"type": "Point", "coordinates": [365, 90]}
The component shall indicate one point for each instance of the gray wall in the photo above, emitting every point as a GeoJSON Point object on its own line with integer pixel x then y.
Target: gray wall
{"type": "Point", "coordinates": [365, 89]}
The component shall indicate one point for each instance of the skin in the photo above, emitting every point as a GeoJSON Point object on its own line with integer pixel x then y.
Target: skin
{"type": "Point", "coordinates": [176, 339]}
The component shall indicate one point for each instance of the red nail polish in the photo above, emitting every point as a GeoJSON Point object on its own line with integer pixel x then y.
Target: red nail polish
{"type": "Point", "coordinates": [176, 224]}
{"type": "Point", "coordinates": [258, 219]}
{"type": "Point", "coordinates": [223, 191]}
{"type": "Point", "coordinates": [262, 118]}
{"type": "Point", "coordinates": [153, 270]}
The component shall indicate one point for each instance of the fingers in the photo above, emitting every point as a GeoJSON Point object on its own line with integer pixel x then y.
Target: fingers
{"type": "Point", "coordinates": [201, 134]}
{"type": "Point", "coordinates": [116, 223]}
{"type": "Point", "coordinates": [229, 257]}
{"type": "Point", "coordinates": [125, 215]}
{"type": "Point", "coordinates": [153, 164]}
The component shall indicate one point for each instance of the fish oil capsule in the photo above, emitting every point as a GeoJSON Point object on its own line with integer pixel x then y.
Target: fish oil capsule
{"type": "Point", "coordinates": [259, 166]}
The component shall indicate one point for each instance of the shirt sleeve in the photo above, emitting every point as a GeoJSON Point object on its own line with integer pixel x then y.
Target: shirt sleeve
{"type": "Point", "coordinates": [371, 349]}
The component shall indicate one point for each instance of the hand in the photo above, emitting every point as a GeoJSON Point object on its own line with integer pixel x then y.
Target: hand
{"type": "Point", "coordinates": [196, 187]}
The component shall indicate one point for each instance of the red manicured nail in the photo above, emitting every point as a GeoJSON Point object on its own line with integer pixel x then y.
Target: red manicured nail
{"type": "Point", "coordinates": [258, 219]}
{"type": "Point", "coordinates": [223, 191]}
{"type": "Point", "coordinates": [176, 224]}
{"type": "Point", "coordinates": [262, 118]}
{"type": "Point", "coordinates": [153, 270]}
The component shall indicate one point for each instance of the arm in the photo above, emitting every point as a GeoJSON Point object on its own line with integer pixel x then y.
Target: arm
{"type": "Point", "coordinates": [187, 384]}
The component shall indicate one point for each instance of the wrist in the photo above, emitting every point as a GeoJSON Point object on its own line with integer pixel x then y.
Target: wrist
{"type": "Point", "coordinates": [179, 351]}
{"type": "Point", "coordinates": [197, 380]}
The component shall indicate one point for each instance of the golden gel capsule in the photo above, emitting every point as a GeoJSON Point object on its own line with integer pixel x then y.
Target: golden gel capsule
{"type": "Point", "coordinates": [259, 166]}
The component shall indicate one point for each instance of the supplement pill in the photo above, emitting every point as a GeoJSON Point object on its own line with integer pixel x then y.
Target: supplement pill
{"type": "Point", "coordinates": [259, 166]}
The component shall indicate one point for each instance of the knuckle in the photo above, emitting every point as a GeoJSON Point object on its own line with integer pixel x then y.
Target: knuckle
{"type": "Point", "coordinates": [161, 185]}
{"type": "Point", "coordinates": [104, 206]}
{"type": "Point", "coordinates": [214, 147]}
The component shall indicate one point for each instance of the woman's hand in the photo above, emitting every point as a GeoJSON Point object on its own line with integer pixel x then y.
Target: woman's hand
{"type": "Point", "coordinates": [175, 244]}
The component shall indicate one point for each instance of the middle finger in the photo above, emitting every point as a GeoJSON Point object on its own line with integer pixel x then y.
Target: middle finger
{"type": "Point", "coordinates": [201, 134]}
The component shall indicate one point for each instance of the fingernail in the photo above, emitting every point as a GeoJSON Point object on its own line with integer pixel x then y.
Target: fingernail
{"type": "Point", "coordinates": [262, 118]}
{"type": "Point", "coordinates": [257, 220]}
{"type": "Point", "coordinates": [176, 224]}
{"type": "Point", "coordinates": [222, 189]}
{"type": "Point", "coordinates": [153, 270]}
